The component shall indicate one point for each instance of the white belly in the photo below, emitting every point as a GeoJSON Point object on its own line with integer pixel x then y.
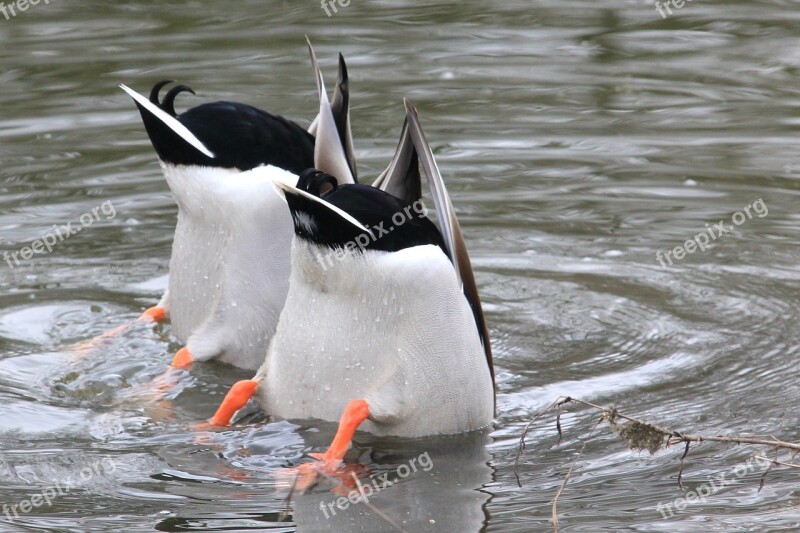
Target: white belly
{"type": "Point", "coordinates": [230, 262]}
{"type": "Point", "coordinates": [391, 328]}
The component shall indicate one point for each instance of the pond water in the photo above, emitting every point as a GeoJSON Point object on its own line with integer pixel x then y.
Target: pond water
{"type": "Point", "coordinates": [578, 139]}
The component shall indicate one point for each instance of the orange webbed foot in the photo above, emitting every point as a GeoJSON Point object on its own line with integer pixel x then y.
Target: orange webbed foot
{"type": "Point", "coordinates": [329, 464]}
{"type": "Point", "coordinates": [304, 477]}
{"type": "Point", "coordinates": [84, 348]}
{"type": "Point", "coordinates": [183, 359]}
{"type": "Point", "coordinates": [154, 314]}
{"type": "Point", "coordinates": [81, 349]}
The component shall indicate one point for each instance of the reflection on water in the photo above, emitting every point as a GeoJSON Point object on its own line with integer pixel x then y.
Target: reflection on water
{"type": "Point", "coordinates": [578, 139]}
{"type": "Point", "coordinates": [433, 490]}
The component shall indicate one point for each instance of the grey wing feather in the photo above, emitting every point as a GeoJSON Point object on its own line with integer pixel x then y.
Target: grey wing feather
{"type": "Point", "coordinates": [451, 229]}
{"type": "Point", "coordinates": [401, 178]}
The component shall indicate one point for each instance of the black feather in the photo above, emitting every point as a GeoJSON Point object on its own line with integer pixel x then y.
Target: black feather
{"type": "Point", "coordinates": [168, 104]}
{"type": "Point", "coordinates": [157, 89]}
{"type": "Point", "coordinates": [240, 136]}
{"type": "Point", "coordinates": [316, 182]}
{"type": "Point", "coordinates": [394, 224]}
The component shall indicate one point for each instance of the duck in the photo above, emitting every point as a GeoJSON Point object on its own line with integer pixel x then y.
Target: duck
{"type": "Point", "coordinates": [230, 262]}
{"type": "Point", "coordinates": [383, 329]}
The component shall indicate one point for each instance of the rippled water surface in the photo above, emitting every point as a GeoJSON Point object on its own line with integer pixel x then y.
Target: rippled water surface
{"type": "Point", "coordinates": [578, 139]}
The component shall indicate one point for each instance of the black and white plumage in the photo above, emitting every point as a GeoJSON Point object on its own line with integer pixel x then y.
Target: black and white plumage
{"type": "Point", "coordinates": [239, 136]}
{"type": "Point", "coordinates": [396, 323]}
{"type": "Point", "coordinates": [230, 258]}
{"type": "Point", "coordinates": [373, 208]}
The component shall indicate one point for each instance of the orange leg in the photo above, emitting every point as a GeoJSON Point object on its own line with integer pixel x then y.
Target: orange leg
{"type": "Point", "coordinates": [306, 475]}
{"type": "Point", "coordinates": [80, 350]}
{"type": "Point", "coordinates": [183, 359]}
{"type": "Point", "coordinates": [354, 414]}
{"type": "Point", "coordinates": [237, 397]}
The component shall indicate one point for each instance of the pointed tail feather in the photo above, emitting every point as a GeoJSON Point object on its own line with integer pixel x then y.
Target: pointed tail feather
{"type": "Point", "coordinates": [157, 117]}
{"type": "Point", "coordinates": [451, 229]}
{"type": "Point", "coordinates": [340, 107]}
{"type": "Point", "coordinates": [329, 149]}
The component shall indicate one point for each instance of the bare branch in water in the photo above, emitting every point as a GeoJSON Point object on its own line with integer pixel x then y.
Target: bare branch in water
{"type": "Point", "coordinates": [642, 435]}
{"type": "Point", "coordinates": [525, 434]}
{"type": "Point", "coordinates": [779, 463]}
{"type": "Point", "coordinates": [374, 509]}
{"type": "Point", "coordinates": [558, 424]}
{"type": "Point", "coordinates": [286, 512]}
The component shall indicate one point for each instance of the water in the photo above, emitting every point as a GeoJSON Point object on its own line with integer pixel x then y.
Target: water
{"type": "Point", "coordinates": [578, 139]}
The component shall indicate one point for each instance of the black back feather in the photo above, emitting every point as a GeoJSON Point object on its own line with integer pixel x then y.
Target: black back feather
{"type": "Point", "coordinates": [240, 136]}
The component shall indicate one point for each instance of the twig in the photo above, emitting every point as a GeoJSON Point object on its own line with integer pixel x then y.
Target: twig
{"type": "Point", "coordinates": [525, 434]}
{"type": "Point", "coordinates": [287, 504]}
{"type": "Point", "coordinates": [675, 437]}
{"type": "Point", "coordinates": [558, 423]}
{"type": "Point", "coordinates": [763, 479]}
{"type": "Point", "coordinates": [680, 470]}
{"type": "Point", "coordinates": [374, 509]}
{"type": "Point", "coordinates": [776, 462]}
{"type": "Point", "coordinates": [647, 436]}
{"type": "Point", "coordinates": [617, 414]}
{"type": "Point", "coordinates": [569, 473]}
{"type": "Point", "coordinates": [737, 439]}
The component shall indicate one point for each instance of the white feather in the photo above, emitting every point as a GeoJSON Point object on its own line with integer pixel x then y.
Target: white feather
{"type": "Point", "coordinates": [283, 187]}
{"type": "Point", "coordinates": [230, 260]}
{"type": "Point", "coordinates": [307, 221]}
